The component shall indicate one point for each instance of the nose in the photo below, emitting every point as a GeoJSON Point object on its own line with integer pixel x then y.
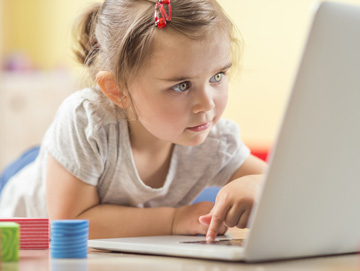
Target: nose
{"type": "Point", "coordinates": [203, 100]}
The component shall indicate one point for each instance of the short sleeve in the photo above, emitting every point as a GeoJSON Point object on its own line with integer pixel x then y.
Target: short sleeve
{"type": "Point", "coordinates": [231, 151]}
{"type": "Point", "coordinates": [76, 139]}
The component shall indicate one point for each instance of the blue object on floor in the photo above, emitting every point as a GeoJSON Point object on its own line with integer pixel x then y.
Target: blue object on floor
{"type": "Point", "coordinates": [208, 194]}
{"type": "Point", "coordinates": [25, 159]}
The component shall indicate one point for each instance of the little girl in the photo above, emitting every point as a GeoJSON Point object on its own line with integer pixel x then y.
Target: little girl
{"type": "Point", "coordinates": [131, 153]}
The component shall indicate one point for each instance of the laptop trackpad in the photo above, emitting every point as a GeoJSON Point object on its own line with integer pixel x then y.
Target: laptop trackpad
{"type": "Point", "coordinates": [223, 242]}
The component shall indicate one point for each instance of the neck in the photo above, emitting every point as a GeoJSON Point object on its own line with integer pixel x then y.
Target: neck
{"type": "Point", "coordinates": [152, 156]}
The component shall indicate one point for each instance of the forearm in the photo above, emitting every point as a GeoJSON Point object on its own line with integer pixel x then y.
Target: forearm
{"type": "Point", "coordinates": [107, 221]}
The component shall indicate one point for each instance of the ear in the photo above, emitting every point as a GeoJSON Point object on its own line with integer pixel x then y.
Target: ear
{"type": "Point", "coordinates": [108, 85]}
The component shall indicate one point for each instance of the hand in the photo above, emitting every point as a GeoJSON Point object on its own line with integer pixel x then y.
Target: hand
{"type": "Point", "coordinates": [186, 219]}
{"type": "Point", "coordinates": [233, 205]}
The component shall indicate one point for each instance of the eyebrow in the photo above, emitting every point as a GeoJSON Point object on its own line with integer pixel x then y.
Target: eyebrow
{"type": "Point", "coordinates": [183, 78]}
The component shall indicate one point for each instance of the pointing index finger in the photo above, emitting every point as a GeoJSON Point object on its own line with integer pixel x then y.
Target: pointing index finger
{"type": "Point", "coordinates": [218, 216]}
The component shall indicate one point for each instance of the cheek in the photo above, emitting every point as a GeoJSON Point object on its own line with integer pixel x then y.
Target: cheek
{"type": "Point", "coordinates": [157, 112]}
{"type": "Point", "coordinates": [173, 114]}
{"type": "Point", "coordinates": [222, 99]}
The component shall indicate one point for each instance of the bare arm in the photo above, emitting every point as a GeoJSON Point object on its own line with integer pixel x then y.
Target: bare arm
{"type": "Point", "coordinates": [119, 221]}
{"type": "Point", "coordinates": [252, 166]}
{"type": "Point", "coordinates": [70, 198]}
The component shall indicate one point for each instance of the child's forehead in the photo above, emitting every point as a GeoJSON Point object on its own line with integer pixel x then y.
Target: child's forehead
{"type": "Point", "coordinates": [174, 52]}
{"type": "Point", "coordinates": [167, 39]}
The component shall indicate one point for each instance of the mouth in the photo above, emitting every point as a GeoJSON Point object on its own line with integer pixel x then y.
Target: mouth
{"type": "Point", "coordinates": [200, 127]}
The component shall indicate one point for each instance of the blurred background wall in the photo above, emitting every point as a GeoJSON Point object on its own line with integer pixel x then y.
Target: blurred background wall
{"type": "Point", "coordinates": [37, 69]}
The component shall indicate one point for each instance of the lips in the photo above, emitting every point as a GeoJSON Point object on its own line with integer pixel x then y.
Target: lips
{"type": "Point", "coordinates": [200, 127]}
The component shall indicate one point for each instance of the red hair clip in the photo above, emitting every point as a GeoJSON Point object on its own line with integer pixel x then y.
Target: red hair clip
{"type": "Point", "coordinates": [160, 22]}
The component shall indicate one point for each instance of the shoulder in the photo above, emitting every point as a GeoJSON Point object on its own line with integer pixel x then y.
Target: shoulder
{"type": "Point", "coordinates": [225, 138]}
{"type": "Point", "coordinates": [226, 135]}
{"type": "Point", "coordinates": [87, 106]}
{"type": "Point", "coordinates": [85, 134]}
{"type": "Point", "coordinates": [77, 104]}
{"type": "Point", "coordinates": [86, 115]}
{"type": "Point", "coordinates": [225, 129]}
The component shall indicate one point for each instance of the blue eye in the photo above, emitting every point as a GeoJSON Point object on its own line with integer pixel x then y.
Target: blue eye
{"type": "Point", "coordinates": [181, 87]}
{"type": "Point", "coordinates": [217, 78]}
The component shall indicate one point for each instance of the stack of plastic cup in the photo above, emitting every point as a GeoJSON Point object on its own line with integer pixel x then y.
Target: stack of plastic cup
{"type": "Point", "coordinates": [69, 238]}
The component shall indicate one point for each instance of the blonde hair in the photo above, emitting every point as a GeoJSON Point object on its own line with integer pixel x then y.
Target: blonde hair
{"type": "Point", "coordinates": [117, 35]}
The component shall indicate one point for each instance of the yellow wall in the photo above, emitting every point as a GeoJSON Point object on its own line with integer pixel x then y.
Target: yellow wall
{"type": "Point", "coordinates": [273, 32]}
{"type": "Point", "coordinates": [41, 29]}
{"type": "Point", "coordinates": [1, 28]}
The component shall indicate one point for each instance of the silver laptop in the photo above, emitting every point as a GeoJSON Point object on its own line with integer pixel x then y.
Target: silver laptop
{"type": "Point", "coordinates": [310, 200]}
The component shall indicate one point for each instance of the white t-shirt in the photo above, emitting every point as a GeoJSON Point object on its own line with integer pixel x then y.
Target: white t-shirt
{"type": "Point", "coordinates": [91, 141]}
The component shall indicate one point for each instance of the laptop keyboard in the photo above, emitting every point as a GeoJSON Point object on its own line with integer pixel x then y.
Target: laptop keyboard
{"type": "Point", "coordinates": [222, 242]}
